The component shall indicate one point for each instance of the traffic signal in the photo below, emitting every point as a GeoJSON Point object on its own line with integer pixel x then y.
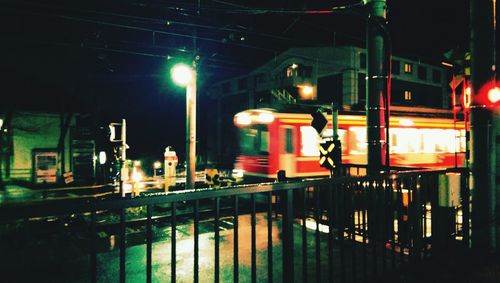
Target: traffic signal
{"type": "Point", "coordinates": [330, 154]}
{"type": "Point", "coordinates": [466, 97]}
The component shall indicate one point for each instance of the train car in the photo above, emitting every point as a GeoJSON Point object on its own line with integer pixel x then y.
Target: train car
{"type": "Point", "coordinates": [272, 140]}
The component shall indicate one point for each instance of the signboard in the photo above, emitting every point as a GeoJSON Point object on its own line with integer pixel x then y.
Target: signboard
{"type": "Point", "coordinates": [330, 154]}
{"type": "Point", "coordinates": [45, 166]}
{"type": "Point", "coordinates": [68, 177]}
{"type": "Point", "coordinates": [319, 122]}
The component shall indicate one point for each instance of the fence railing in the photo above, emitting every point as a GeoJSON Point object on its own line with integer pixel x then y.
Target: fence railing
{"type": "Point", "coordinates": [341, 229]}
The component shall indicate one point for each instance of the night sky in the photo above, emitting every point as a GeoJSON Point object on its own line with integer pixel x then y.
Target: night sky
{"type": "Point", "coordinates": [111, 58]}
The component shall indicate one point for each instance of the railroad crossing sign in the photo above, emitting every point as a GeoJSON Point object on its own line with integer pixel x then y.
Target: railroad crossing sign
{"type": "Point", "coordinates": [319, 121]}
{"type": "Point", "coordinates": [329, 154]}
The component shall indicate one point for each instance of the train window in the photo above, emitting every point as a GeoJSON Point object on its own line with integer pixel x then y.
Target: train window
{"type": "Point", "coordinates": [310, 140]}
{"type": "Point", "coordinates": [406, 140]}
{"type": "Point", "coordinates": [254, 141]}
{"type": "Point", "coordinates": [288, 140]}
{"type": "Point", "coordinates": [357, 140]}
{"type": "Point", "coordinates": [462, 141]}
{"type": "Point", "coordinates": [264, 142]}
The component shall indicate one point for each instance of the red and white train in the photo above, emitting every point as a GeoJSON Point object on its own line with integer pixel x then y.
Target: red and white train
{"type": "Point", "coordinates": [271, 140]}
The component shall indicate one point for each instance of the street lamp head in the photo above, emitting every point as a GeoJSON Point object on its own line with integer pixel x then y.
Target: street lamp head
{"type": "Point", "coordinates": [182, 74]}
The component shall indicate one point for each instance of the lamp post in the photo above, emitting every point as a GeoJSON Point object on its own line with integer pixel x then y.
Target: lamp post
{"type": "Point", "coordinates": [185, 75]}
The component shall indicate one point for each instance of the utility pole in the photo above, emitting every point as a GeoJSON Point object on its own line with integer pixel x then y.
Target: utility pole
{"type": "Point", "coordinates": [191, 130]}
{"type": "Point", "coordinates": [375, 90]}
{"type": "Point", "coordinates": [483, 163]}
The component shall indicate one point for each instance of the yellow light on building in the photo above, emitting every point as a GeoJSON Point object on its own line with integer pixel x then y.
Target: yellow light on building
{"type": "Point", "coordinates": [306, 92]}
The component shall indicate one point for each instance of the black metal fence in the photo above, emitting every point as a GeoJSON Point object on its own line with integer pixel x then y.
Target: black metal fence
{"type": "Point", "coordinates": [320, 230]}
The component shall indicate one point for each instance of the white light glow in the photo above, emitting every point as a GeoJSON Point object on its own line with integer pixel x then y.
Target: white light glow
{"type": "Point", "coordinates": [309, 141]}
{"type": "Point", "coordinates": [182, 74]}
{"type": "Point", "coordinates": [265, 117]}
{"type": "Point", "coordinates": [243, 119]}
{"type": "Point", "coordinates": [136, 175]}
{"type": "Point", "coordinates": [157, 165]}
{"type": "Point", "coordinates": [238, 173]}
{"type": "Point", "coordinates": [406, 122]}
{"type": "Point", "coordinates": [494, 95]}
{"type": "Point", "coordinates": [102, 157]}
{"type": "Point", "coordinates": [311, 224]}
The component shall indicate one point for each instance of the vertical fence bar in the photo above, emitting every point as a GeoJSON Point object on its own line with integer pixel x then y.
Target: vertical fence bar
{"type": "Point", "coordinates": [384, 218]}
{"type": "Point", "coordinates": [402, 219]}
{"type": "Point", "coordinates": [304, 236]}
{"type": "Point", "coordinates": [122, 245]}
{"type": "Point", "coordinates": [93, 247]}
{"type": "Point", "coordinates": [270, 237]}
{"type": "Point", "coordinates": [364, 227]}
{"type": "Point", "coordinates": [173, 254]}
{"type": "Point", "coordinates": [317, 239]}
{"type": "Point", "coordinates": [330, 210]}
{"type": "Point", "coordinates": [217, 240]}
{"type": "Point", "coordinates": [409, 221]}
{"type": "Point", "coordinates": [288, 268]}
{"type": "Point", "coordinates": [341, 201]}
{"type": "Point", "coordinates": [149, 242]}
{"type": "Point", "coordinates": [373, 221]}
{"type": "Point", "coordinates": [417, 214]}
{"type": "Point", "coordinates": [196, 240]}
{"type": "Point", "coordinates": [235, 247]}
{"type": "Point", "coordinates": [393, 233]}
{"type": "Point", "coordinates": [465, 193]}
{"type": "Point", "coordinates": [352, 231]}
{"type": "Point", "coordinates": [411, 218]}
{"type": "Point", "coordinates": [424, 190]}
{"type": "Point", "coordinates": [254, 245]}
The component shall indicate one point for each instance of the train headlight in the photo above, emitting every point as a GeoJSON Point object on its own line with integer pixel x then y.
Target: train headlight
{"type": "Point", "coordinates": [265, 117]}
{"type": "Point", "coordinates": [243, 119]}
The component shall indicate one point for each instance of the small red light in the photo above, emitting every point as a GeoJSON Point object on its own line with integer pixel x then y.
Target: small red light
{"type": "Point", "coordinates": [467, 97]}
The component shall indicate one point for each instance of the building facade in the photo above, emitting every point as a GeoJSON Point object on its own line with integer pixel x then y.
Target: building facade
{"type": "Point", "coordinates": [39, 148]}
{"type": "Point", "coordinates": [318, 75]}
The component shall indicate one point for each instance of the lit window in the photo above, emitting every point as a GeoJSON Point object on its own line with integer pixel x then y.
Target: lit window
{"type": "Point", "coordinates": [407, 95]}
{"type": "Point", "coordinates": [408, 68]}
{"type": "Point", "coordinates": [291, 71]}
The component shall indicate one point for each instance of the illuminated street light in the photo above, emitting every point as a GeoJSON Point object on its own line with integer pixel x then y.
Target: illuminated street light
{"type": "Point", "coordinates": [185, 75]}
{"type": "Point", "coordinates": [182, 74]}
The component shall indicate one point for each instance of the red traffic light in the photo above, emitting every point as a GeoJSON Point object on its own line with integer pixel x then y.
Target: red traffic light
{"type": "Point", "coordinates": [488, 95]}
{"type": "Point", "coordinates": [494, 95]}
